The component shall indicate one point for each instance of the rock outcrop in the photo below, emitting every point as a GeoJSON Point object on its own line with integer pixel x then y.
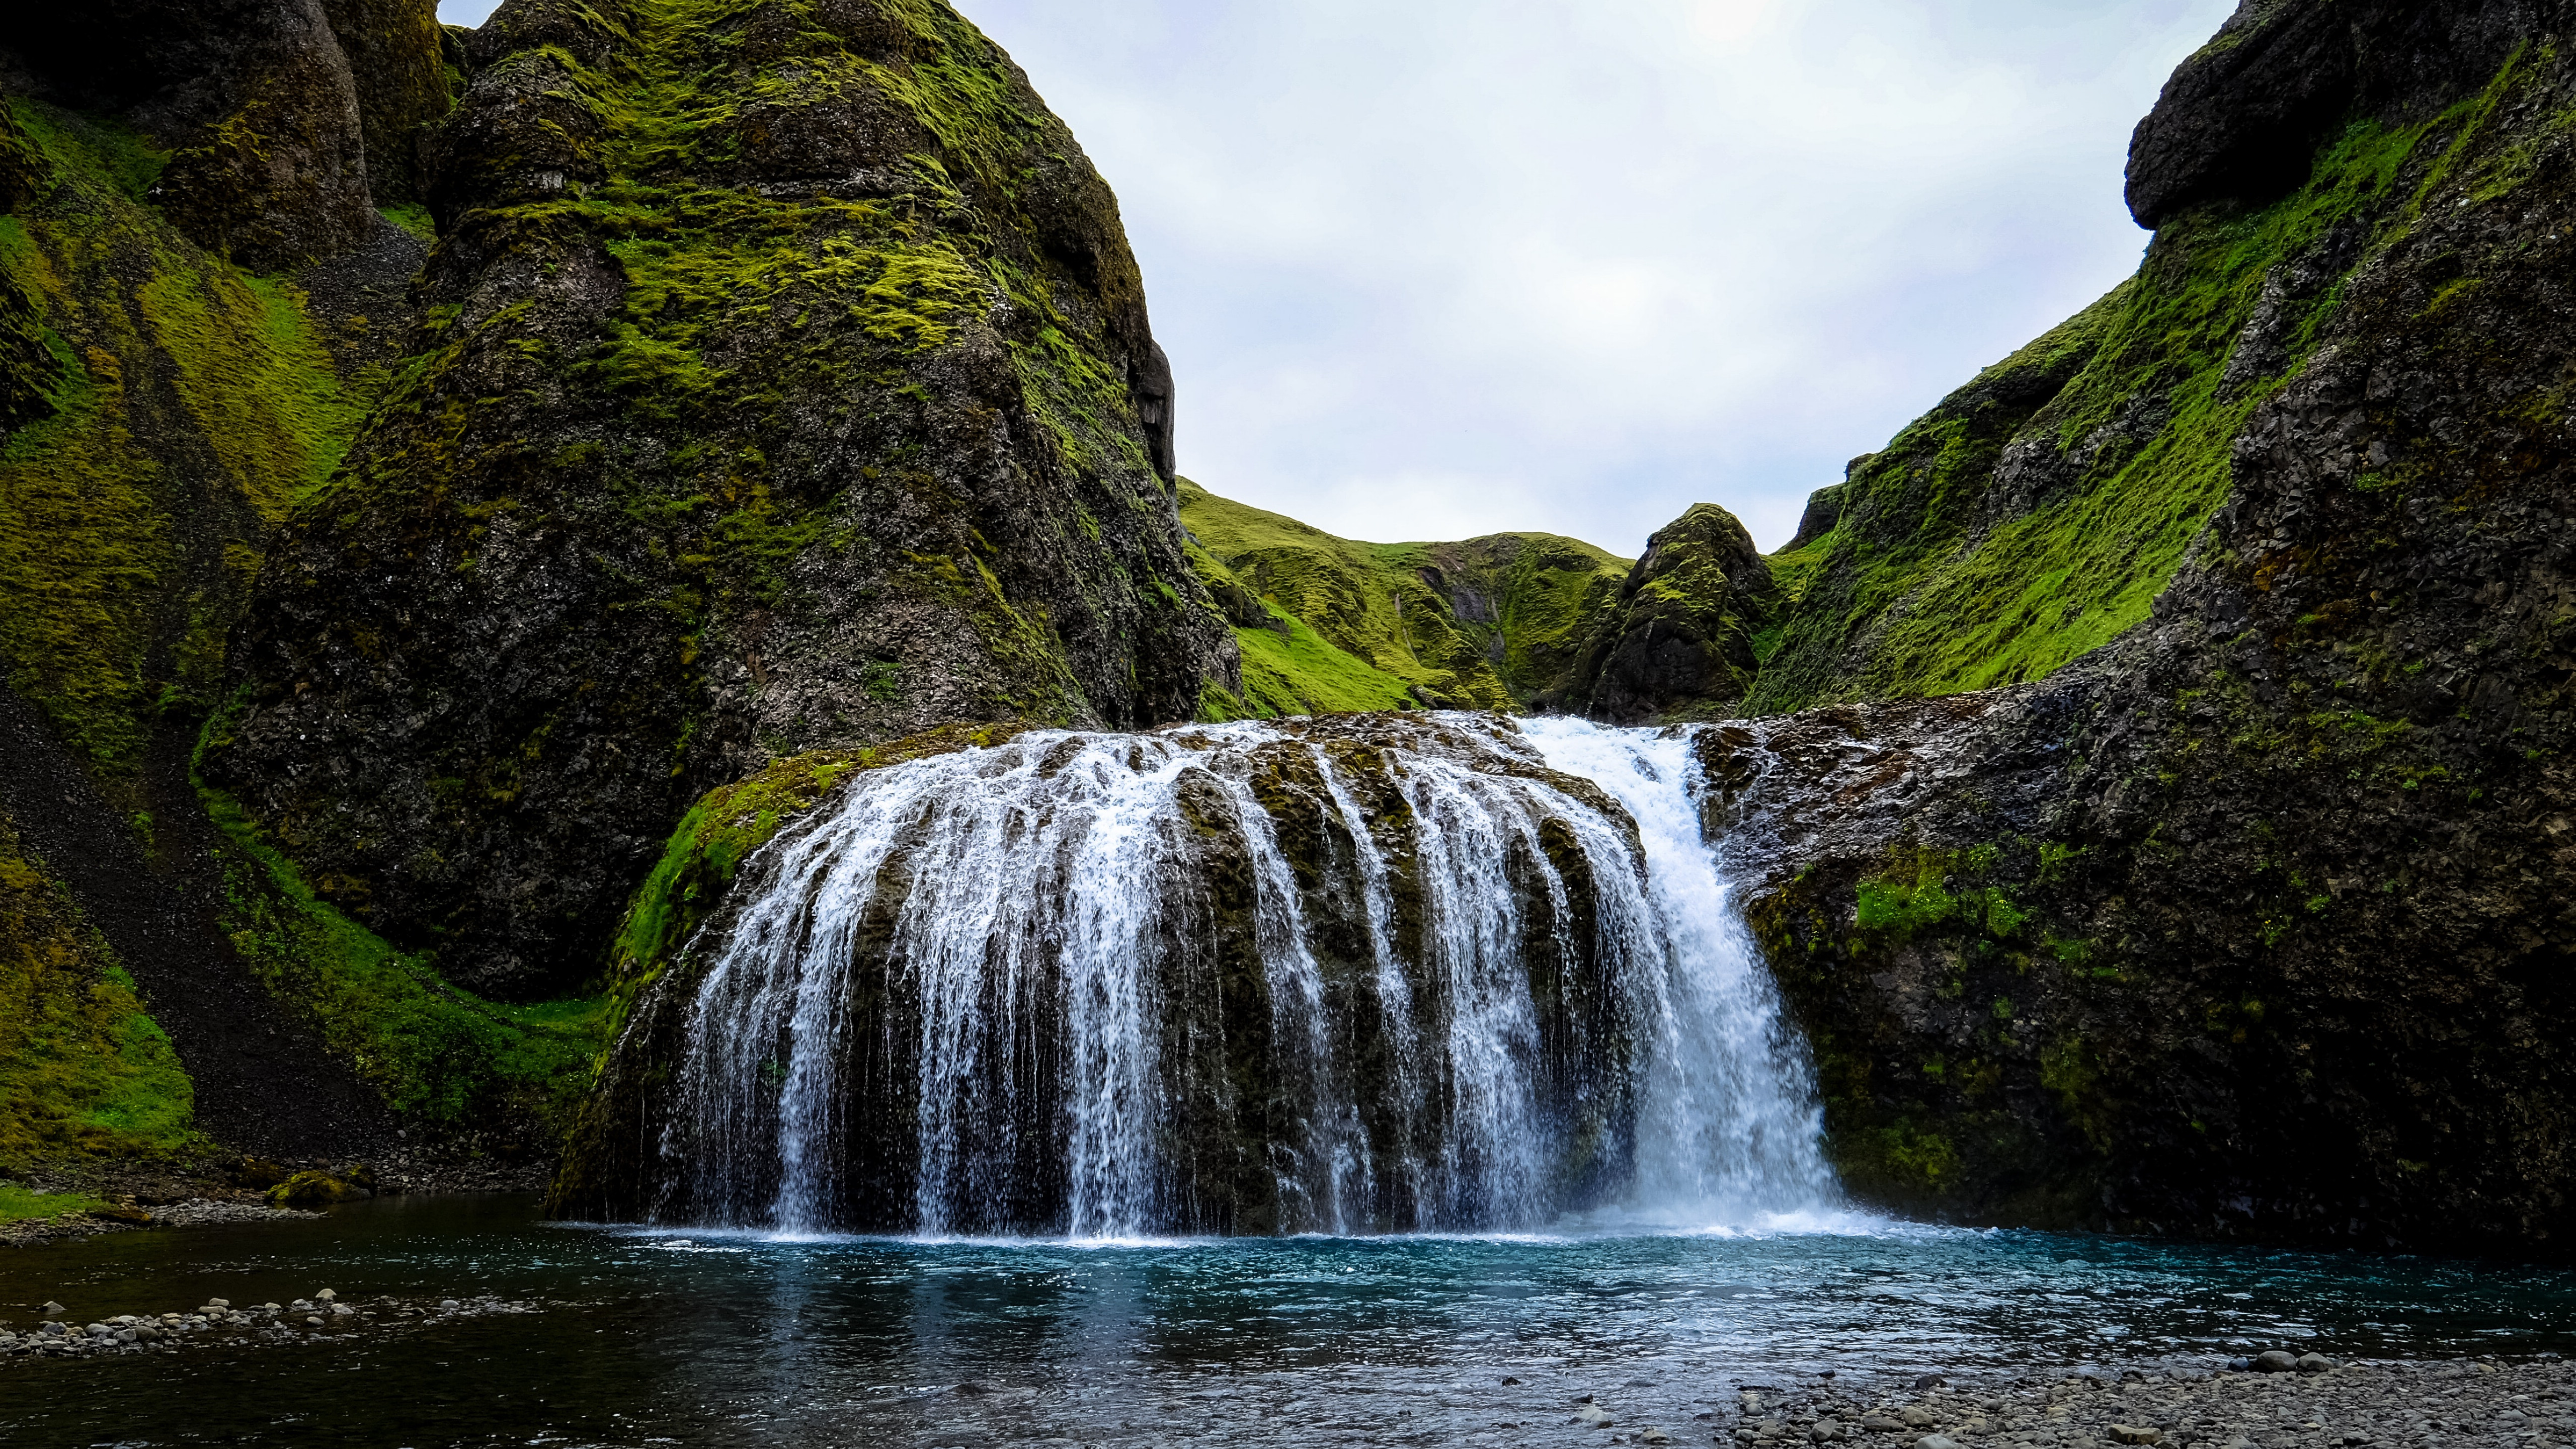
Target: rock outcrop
{"type": "Point", "coordinates": [2254, 922]}
{"type": "Point", "coordinates": [253, 100]}
{"type": "Point", "coordinates": [787, 383]}
{"type": "Point", "coordinates": [1681, 641]}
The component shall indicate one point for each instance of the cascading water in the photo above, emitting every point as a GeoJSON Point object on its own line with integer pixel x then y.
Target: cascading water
{"type": "Point", "coordinates": [1395, 973]}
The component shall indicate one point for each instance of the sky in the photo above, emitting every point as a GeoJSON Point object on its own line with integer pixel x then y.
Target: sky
{"type": "Point", "coordinates": [1429, 269]}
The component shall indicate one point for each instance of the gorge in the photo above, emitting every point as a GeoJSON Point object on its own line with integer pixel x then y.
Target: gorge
{"type": "Point", "coordinates": [609, 595]}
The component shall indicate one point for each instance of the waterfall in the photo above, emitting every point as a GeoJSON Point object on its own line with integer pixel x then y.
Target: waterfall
{"type": "Point", "coordinates": [1363, 974]}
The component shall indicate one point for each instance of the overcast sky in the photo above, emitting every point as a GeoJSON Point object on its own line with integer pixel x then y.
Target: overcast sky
{"type": "Point", "coordinates": [1434, 268]}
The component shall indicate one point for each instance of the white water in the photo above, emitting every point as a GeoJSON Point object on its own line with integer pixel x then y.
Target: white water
{"type": "Point", "coordinates": [989, 992]}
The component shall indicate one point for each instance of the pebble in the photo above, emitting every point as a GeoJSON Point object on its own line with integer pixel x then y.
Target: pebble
{"type": "Point", "coordinates": [2313, 1403]}
{"type": "Point", "coordinates": [165, 1333]}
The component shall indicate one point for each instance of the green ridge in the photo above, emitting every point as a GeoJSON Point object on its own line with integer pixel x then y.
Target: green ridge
{"type": "Point", "coordinates": [1929, 586]}
{"type": "Point", "coordinates": [1328, 624]}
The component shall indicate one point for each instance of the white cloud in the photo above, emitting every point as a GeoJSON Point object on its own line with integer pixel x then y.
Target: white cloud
{"type": "Point", "coordinates": [1605, 259]}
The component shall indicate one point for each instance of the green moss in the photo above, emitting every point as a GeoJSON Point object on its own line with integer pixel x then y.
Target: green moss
{"type": "Point", "coordinates": [415, 219]}
{"type": "Point", "coordinates": [84, 1070]}
{"type": "Point", "coordinates": [1926, 586]}
{"type": "Point", "coordinates": [19, 1203]}
{"type": "Point", "coordinates": [1390, 615]}
{"type": "Point", "coordinates": [438, 1055]}
{"type": "Point", "coordinates": [110, 558]}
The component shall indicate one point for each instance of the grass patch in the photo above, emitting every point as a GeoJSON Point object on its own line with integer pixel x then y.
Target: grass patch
{"type": "Point", "coordinates": [20, 1203]}
{"type": "Point", "coordinates": [84, 1070]}
{"type": "Point", "coordinates": [440, 1056]}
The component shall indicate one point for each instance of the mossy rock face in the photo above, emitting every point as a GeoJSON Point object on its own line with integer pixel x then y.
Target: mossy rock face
{"type": "Point", "coordinates": [1680, 644]}
{"type": "Point", "coordinates": [252, 100]}
{"type": "Point", "coordinates": [168, 410]}
{"type": "Point", "coordinates": [788, 386]}
{"type": "Point", "coordinates": [397, 60]}
{"type": "Point", "coordinates": [1329, 625]}
{"type": "Point", "coordinates": [2252, 924]}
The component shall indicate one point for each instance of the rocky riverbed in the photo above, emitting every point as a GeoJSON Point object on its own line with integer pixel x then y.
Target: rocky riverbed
{"type": "Point", "coordinates": [59, 1333]}
{"type": "Point", "coordinates": [2285, 1403]}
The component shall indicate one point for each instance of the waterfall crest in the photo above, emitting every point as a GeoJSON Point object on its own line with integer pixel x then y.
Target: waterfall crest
{"type": "Point", "coordinates": [1362, 974]}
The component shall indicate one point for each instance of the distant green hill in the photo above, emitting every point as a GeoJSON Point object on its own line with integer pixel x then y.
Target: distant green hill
{"type": "Point", "coordinates": [1328, 624]}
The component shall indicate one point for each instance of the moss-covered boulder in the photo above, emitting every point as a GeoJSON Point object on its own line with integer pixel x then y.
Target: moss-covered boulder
{"type": "Point", "coordinates": [787, 385]}
{"type": "Point", "coordinates": [1681, 642]}
{"type": "Point", "coordinates": [322, 1187]}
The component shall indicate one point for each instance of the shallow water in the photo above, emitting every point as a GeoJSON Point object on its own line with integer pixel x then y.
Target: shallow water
{"type": "Point", "coordinates": [712, 1340]}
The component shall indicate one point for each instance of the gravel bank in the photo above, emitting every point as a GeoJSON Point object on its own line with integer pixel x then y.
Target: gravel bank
{"type": "Point", "coordinates": [58, 1332]}
{"type": "Point", "coordinates": [2510, 1406]}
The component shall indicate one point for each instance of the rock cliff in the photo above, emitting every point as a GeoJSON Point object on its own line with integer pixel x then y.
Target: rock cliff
{"type": "Point", "coordinates": [2252, 922]}
{"type": "Point", "coordinates": [785, 383]}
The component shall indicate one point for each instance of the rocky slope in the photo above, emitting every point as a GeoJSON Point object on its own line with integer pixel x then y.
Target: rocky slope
{"type": "Point", "coordinates": [2253, 922]}
{"type": "Point", "coordinates": [786, 383]}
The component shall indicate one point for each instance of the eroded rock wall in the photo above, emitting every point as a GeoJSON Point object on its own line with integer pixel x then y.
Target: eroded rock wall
{"type": "Point", "coordinates": [786, 383]}
{"type": "Point", "coordinates": [2255, 922]}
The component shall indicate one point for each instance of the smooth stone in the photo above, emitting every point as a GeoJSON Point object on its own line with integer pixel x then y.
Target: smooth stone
{"type": "Point", "coordinates": [1826, 1431]}
{"type": "Point", "coordinates": [2275, 1362]}
{"type": "Point", "coordinates": [1881, 1424]}
{"type": "Point", "coordinates": [2314, 1363]}
{"type": "Point", "coordinates": [325, 1296]}
{"type": "Point", "coordinates": [52, 1307]}
{"type": "Point", "coordinates": [1593, 1416]}
{"type": "Point", "coordinates": [447, 1303]}
{"type": "Point", "coordinates": [1936, 1441]}
{"type": "Point", "coordinates": [1918, 1417]}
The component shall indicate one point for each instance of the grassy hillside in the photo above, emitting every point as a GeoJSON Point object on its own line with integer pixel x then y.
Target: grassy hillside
{"type": "Point", "coordinates": [84, 1070]}
{"type": "Point", "coordinates": [2035, 514]}
{"type": "Point", "coordinates": [1327, 623]}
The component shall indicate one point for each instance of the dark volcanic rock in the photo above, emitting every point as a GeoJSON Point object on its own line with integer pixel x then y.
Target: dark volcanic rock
{"type": "Point", "coordinates": [2241, 119]}
{"type": "Point", "coordinates": [2256, 921]}
{"type": "Point", "coordinates": [1679, 644]}
{"type": "Point", "coordinates": [394, 53]}
{"type": "Point", "coordinates": [805, 400]}
{"type": "Point", "coordinates": [253, 98]}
